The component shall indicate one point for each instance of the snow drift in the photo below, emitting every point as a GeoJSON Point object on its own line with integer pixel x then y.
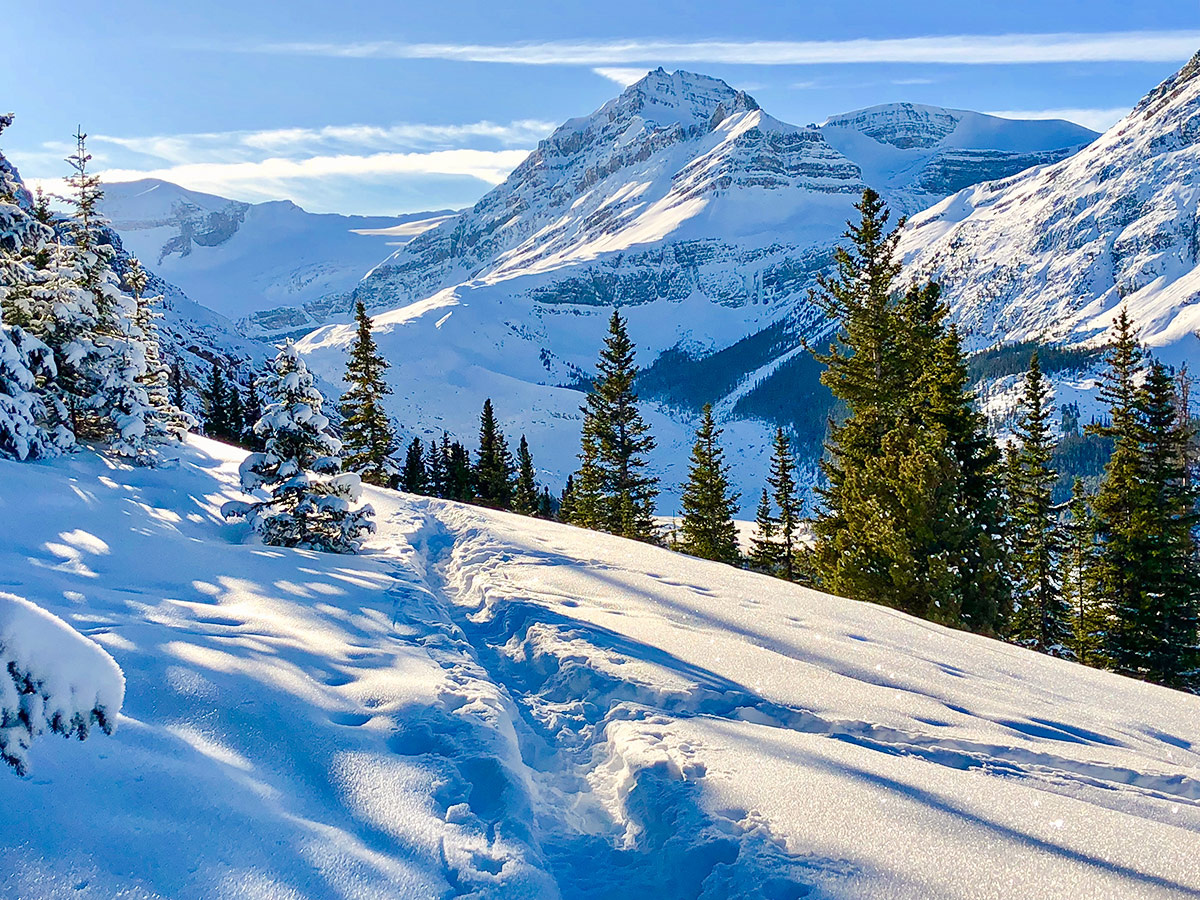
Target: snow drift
{"type": "Point", "coordinates": [487, 705]}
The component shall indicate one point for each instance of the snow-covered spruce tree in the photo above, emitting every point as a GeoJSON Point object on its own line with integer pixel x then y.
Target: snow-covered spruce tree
{"type": "Point", "coordinates": [308, 500]}
{"type": "Point", "coordinates": [495, 472]}
{"type": "Point", "coordinates": [23, 434]}
{"type": "Point", "coordinates": [764, 551]}
{"type": "Point", "coordinates": [709, 505]}
{"type": "Point", "coordinates": [367, 434]}
{"type": "Point", "coordinates": [525, 494]}
{"type": "Point", "coordinates": [1041, 617]}
{"type": "Point", "coordinates": [620, 442]}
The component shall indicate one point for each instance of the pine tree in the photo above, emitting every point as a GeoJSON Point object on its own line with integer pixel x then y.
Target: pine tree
{"type": "Point", "coordinates": [620, 441]}
{"type": "Point", "coordinates": [413, 477]}
{"type": "Point", "coordinates": [587, 501]}
{"type": "Point", "coordinates": [369, 439]}
{"type": "Point", "coordinates": [176, 386]}
{"type": "Point", "coordinates": [782, 482]}
{"type": "Point", "coordinates": [435, 466]}
{"type": "Point", "coordinates": [910, 504]}
{"type": "Point", "coordinates": [214, 398]}
{"type": "Point", "coordinates": [494, 470]}
{"type": "Point", "coordinates": [22, 414]}
{"type": "Point", "coordinates": [1087, 619]}
{"type": "Point", "coordinates": [764, 550]}
{"type": "Point", "coordinates": [525, 496]}
{"type": "Point", "coordinates": [566, 503]}
{"type": "Point", "coordinates": [709, 505]}
{"type": "Point", "coordinates": [309, 500]}
{"type": "Point", "coordinates": [165, 421]}
{"type": "Point", "coordinates": [252, 411]}
{"type": "Point", "coordinates": [545, 508]}
{"type": "Point", "coordinates": [459, 474]}
{"type": "Point", "coordinates": [1041, 619]}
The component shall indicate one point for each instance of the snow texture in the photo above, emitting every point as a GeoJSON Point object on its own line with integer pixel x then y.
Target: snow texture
{"type": "Point", "coordinates": [54, 679]}
{"type": "Point", "coordinates": [486, 705]}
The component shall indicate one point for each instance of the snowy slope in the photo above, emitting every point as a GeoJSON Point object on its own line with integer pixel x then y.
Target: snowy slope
{"type": "Point", "coordinates": [699, 215]}
{"type": "Point", "coordinates": [247, 260]}
{"type": "Point", "coordinates": [1056, 252]}
{"type": "Point", "coordinates": [494, 706]}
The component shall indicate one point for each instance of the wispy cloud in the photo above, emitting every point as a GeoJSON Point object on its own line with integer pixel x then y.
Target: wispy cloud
{"type": "Point", "coordinates": [963, 49]}
{"type": "Point", "coordinates": [277, 177]}
{"type": "Point", "coordinates": [623, 77]}
{"type": "Point", "coordinates": [1095, 119]}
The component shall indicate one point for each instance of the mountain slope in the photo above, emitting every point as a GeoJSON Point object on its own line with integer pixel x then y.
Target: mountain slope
{"type": "Point", "coordinates": [492, 706]}
{"type": "Point", "coordinates": [703, 218]}
{"type": "Point", "coordinates": [267, 265]}
{"type": "Point", "coordinates": [1055, 252]}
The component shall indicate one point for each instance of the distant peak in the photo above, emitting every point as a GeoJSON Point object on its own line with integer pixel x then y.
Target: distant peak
{"type": "Point", "coordinates": [681, 95]}
{"type": "Point", "coordinates": [903, 125]}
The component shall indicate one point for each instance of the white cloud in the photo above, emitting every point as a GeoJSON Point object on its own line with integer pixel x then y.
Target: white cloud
{"type": "Point", "coordinates": [623, 77]}
{"type": "Point", "coordinates": [272, 178]}
{"type": "Point", "coordinates": [965, 49]}
{"type": "Point", "coordinates": [1095, 119]}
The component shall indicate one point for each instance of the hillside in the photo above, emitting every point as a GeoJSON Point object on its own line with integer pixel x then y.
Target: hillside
{"type": "Point", "coordinates": [491, 706]}
{"type": "Point", "coordinates": [1054, 253]}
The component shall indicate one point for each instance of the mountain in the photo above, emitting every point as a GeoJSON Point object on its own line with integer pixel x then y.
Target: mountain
{"type": "Point", "coordinates": [1054, 253]}
{"type": "Point", "coordinates": [266, 265]}
{"type": "Point", "coordinates": [703, 218]}
{"type": "Point", "coordinates": [916, 155]}
{"type": "Point", "coordinates": [491, 706]}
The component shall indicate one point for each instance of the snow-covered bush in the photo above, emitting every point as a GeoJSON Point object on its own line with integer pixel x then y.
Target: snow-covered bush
{"type": "Point", "coordinates": [52, 679]}
{"type": "Point", "coordinates": [308, 500]}
{"type": "Point", "coordinates": [22, 410]}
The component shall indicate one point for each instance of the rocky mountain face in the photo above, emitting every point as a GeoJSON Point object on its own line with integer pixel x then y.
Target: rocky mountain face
{"type": "Point", "coordinates": [1052, 254]}
{"type": "Point", "coordinates": [268, 266]}
{"type": "Point", "coordinates": [699, 215]}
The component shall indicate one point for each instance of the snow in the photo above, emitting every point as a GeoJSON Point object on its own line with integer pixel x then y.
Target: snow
{"type": "Point", "coordinates": [483, 704]}
{"type": "Point", "coordinates": [54, 679]}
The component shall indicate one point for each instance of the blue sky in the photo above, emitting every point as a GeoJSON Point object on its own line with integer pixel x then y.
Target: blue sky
{"type": "Point", "coordinates": [389, 107]}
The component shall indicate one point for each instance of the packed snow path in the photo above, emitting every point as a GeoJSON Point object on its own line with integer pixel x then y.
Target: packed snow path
{"type": "Point", "coordinates": [485, 705]}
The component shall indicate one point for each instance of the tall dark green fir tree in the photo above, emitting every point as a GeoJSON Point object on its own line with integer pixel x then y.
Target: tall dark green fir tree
{"type": "Point", "coordinates": [764, 550]}
{"type": "Point", "coordinates": [709, 504]}
{"type": "Point", "coordinates": [494, 470]}
{"type": "Point", "coordinates": [414, 477]}
{"type": "Point", "coordinates": [621, 441]}
{"type": "Point", "coordinates": [525, 495]}
{"type": "Point", "coordinates": [782, 481]}
{"type": "Point", "coordinates": [1041, 618]}
{"type": "Point", "coordinates": [368, 440]}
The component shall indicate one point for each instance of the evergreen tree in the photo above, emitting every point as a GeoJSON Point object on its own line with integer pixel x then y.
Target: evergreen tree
{"type": "Point", "coordinates": [566, 503]}
{"type": "Point", "coordinates": [369, 439]}
{"type": "Point", "coordinates": [545, 508]}
{"type": "Point", "coordinates": [494, 470]}
{"type": "Point", "coordinates": [459, 474]}
{"type": "Point", "coordinates": [1087, 617]}
{"type": "Point", "coordinates": [414, 477]}
{"type": "Point", "coordinates": [1041, 618]}
{"type": "Point", "coordinates": [251, 412]}
{"type": "Point", "coordinates": [782, 482]}
{"type": "Point", "coordinates": [165, 421]}
{"type": "Point", "coordinates": [764, 551]}
{"type": "Point", "coordinates": [22, 414]}
{"type": "Point", "coordinates": [309, 500]}
{"type": "Point", "coordinates": [586, 500]}
{"type": "Point", "coordinates": [525, 496]}
{"type": "Point", "coordinates": [708, 530]}
{"type": "Point", "coordinates": [435, 466]}
{"type": "Point", "coordinates": [619, 442]}
{"type": "Point", "coordinates": [910, 505]}
{"type": "Point", "coordinates": [215, 401]}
